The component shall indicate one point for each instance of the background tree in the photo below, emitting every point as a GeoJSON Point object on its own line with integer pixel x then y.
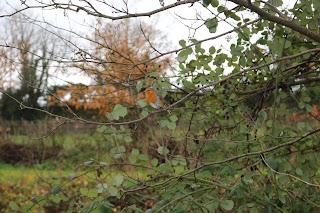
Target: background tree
{"type": "Point", "coordinates": [29, 57]}
{"type": "Point", "coordinates": [121, 60]}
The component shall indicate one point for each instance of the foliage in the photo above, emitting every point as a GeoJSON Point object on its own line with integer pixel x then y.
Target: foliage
{"type": "Point", "coordinates": [232, 141]}
{"type": "Point", "coordinates": [120, 62]}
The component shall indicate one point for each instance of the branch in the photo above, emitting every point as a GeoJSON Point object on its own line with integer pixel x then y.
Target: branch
{"type": "Point", "coordinates": [54, 129]}
{"type": "Point", "coordinates": [285, 174]}
{"type": "Point", "coordinates": [194, 92]}
{"type": "Point", "coordinates": [240, 73]}
{"type": "Point", "coordinates": [258, 153]}
{"type": "Point", "coordinates": [288, 23]}
{"type": "Point", "coordinates": [284, 85]}
{"type": "Point", "coordinates": [96, 13]}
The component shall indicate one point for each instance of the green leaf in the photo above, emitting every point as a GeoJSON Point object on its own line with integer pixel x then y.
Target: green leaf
{"type": "Point", "coordinates": [227, 205]}
{"type": "Point", "coordinates": [270, 123]}
{"type": "Point", "coordinates": [13, 205]}
{"type": "Point", "coordinates": [214, 3]}
{"type": "Point", "coordinates": [273, 163]}
{"type": "Point", "coordinates": [179, 160]}
{"type": "Point", "coordinates": [144, 114]}
{"type": "Point", "coordinates": [55, 198]}
{"type": "Point", "coordinates": [93, 193]}
{"type": "Point", "coordinates": [84, 191]}
{"type": "Point", "coordinates": [250, 205]}
{"type": "Point", "coordinates": [142, 103]}
{"type": "Point", "coordinates": [199, 49]}
{"type": "Point", "coordinates": [234, 16]}
{"type": "Point", "coordinates": [221, 9]}
{"type": "Point", "coordinates": [205, 174]}
{"type": "Point", "coordinates": [277, 3]}
{"type": "Point", "coordinates": [167, 123]}
{"type": "Point", "coordinates": [212, 24]}
{"type": "Point", "coordinates": [153, 74]}
{"type": "Point", "coordinates": [127, 138]}
{"type": "Point", "coordinates": [301, 125]}
{"type": "Point", "coordinates": [262, 116]}
{"type": "Point", "coordinates": [103, 163]}
{"type": "Point", "coordinates": [135, 152]}
{"type": "Point", "coordinates": [309, 108]}
{"type": "Point", "coordinates": [103, 208]}
{"type": "Point", "coordinates": [143, 157]}
{"type": "Point", "coordinates": [118, 180]}
{"type": "Point", "coordinates": [284, 179]}
{"type": "Point", "coordinates": [101, 187]}
{"type": "Point", "coordinates": [206, 3]}
{"type": "Point", "coordinates": [268, 209]}
{"type": "Point", "coordinates": [301, 105]}
{"type": "Point", "coordinates": [268, 189]}
{"type": "Point", "coordinates": [179, 169]}
{"type": "Point", "coordinates": [133, 159]}
{"type": "Point", "coordinates": [254, 210]}
{"type": "Point", "coordinates": [113, 191]}
{"type": "Point", "coordinates": [87, 163]}
{"type": "Point", "coordinates": [287, 44]}
{"type": "Point", "coordinates": [182, 43]}
{"type": "Point", "coordinates": [163, 150]}
{"type": "Point", "coordinates": [122, 149]}
{"type": "Point", "coordinates": [171, 125]}
{"type": "Point", "coordinates": [212, 206]}
{"type": "Point", "coordinates": [135, 208]}
{"type": "Point", "coordinates": [154, 162]}
{"type": "Point", "coordinates": [118, 111]}
{"type": "Point", "coordinates": [163, 123]}
{"type": "Point", "coordinates": [183, 55]}
{"type": "Point", "coordinates": [212, 50]}
{"type": "Point", "coordinates": [139, 86]}
{"type": "Point", "coordinates": [182, 58]}
{"type": "Point", "coordinates": [102, 128]}
{"type": "Point", "coordinates": [55, 189]}
{"type": "Point", "coordinates": [299, 172]}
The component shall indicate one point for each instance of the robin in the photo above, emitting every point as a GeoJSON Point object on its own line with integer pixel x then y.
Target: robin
{"type": "Point", "coordinates": [153, 98]}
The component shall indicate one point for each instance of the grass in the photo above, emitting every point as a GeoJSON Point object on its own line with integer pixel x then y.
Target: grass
{"type": "Point", "coordinates": [10, 174]}
{"type": "Point", "coordinates": [75, 149]}
{"type": "Point", "coordinates": [24, 180]}
{"type": "Point", "coordinates": [72, 148]}
{"type": "Point", "coordinates": [19, 184]}
{"type": "Point", "coordinates": [68, 141]}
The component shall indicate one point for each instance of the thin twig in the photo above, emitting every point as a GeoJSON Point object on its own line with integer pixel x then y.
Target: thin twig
{"type": "Point", "coordinates": [54, 129]}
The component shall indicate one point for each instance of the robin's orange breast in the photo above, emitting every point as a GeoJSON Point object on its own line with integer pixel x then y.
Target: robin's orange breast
{"type": "Point", "coordinates": [151, 97]}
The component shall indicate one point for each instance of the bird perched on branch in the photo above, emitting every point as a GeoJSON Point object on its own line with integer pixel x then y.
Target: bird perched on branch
{"type": "Point", "coordinates": [154, 98]}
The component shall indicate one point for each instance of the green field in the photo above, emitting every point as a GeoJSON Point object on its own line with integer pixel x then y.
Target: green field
{"type": "Point", "coordinates": [26, 177]}
{"type": "Point", "coordinates": [72, 168]}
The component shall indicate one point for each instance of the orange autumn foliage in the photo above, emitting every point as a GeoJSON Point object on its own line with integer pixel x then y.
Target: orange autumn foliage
{"type": "Point", "coordinates": [121, 58]}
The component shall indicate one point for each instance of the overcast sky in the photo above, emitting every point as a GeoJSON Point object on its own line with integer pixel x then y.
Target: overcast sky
{"type": "Point", "coordinates": [170, 22]}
